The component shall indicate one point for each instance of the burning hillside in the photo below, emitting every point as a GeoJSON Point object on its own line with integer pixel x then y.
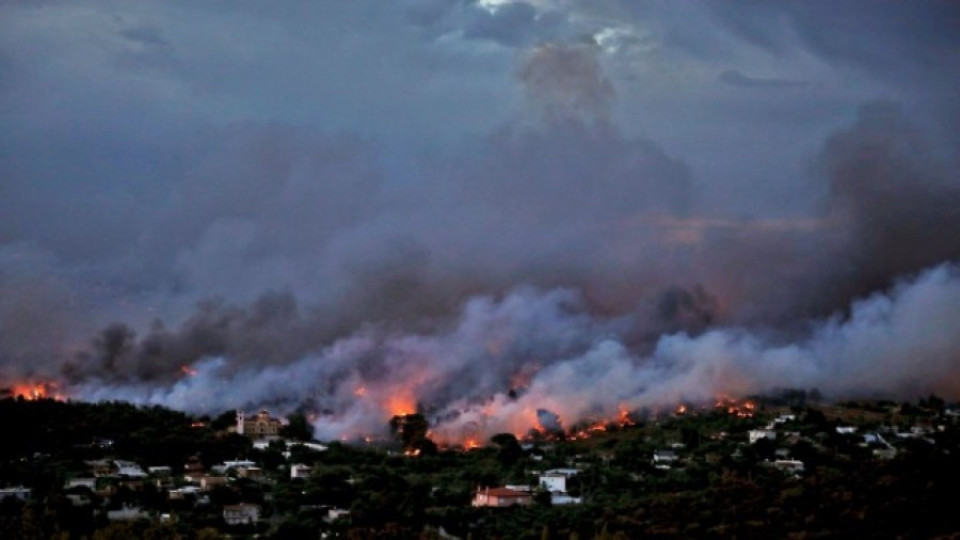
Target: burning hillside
{"type": "Point", "coordinates": [559, 367]}
{"type": "Point", "coordinates": [34, 390]}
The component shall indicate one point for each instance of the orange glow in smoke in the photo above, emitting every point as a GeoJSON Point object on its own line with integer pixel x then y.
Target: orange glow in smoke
{"type": "Point", "coordinates": [401, 405]}
{"type": "Point", "coordinates": [470, 444]}
{"type": "Point", "coordinates": [681, 409]}
{"type": "Point", "coordinates": [360, 391]}
{"type": "Point", "coordinates": [188, 371]}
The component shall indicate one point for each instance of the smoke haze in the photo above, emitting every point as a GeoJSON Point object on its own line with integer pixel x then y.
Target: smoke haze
{"type": "Point", "coordinates": [503, 216]}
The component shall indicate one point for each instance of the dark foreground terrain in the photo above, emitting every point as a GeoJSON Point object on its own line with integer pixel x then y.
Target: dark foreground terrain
{"type": "Point", "coordinates": [856, 470]}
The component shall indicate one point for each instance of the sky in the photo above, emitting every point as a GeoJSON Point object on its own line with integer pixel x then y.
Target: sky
{"type": "Point", "coordinates": [440, 201]}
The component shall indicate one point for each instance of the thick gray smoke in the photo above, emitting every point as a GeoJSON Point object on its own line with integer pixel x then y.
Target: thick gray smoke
{"type": "Point", "coordinates": [535, 358]}
{"type": "Point", "coordinates": [572, 257]}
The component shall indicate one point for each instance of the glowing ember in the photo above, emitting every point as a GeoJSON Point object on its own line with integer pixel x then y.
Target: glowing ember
{"type": "Point", "coordinates": [470, 444]}
{"type": "Point", "coordinates": [735, 407]}
{"type": "Point", "coordinates": [681, 409]}
{"type": "Point", "coordinates": [360, 391]}
{"type": "Point", "coordinates": [188, 371]}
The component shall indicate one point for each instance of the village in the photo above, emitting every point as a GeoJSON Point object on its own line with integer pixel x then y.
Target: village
{"type": "Point", "coordinates": [252, 474]}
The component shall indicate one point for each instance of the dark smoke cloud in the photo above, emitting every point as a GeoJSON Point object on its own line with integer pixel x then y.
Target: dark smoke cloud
{"type": "Point", "coordinates": [558, 245]}
{"type": "Point", "coordinates": [564, 80]}
{"type": "Point", "coordinates": [899, 207]}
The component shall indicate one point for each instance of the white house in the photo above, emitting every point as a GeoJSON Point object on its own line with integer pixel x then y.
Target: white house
{"type": "Point", "coordinates": [162, 471]}
{"type": "Point", "coordinates": [89, 483]}
{"type": "Point", "coordinates": [299, 470]}
{"type": "Point", "coordinates": [127, 513]}
{"type": "Point", "coordinates": [18, 492]}
{"type": "Point", "coordinates": [241, 514]}
{"type": "Point", "coordinates": [755, 435]}
{"type": "Point", "coordinates": [334, 514]}
{"type": "Point", "coordinates": [664, 456]}
{"type": "Point", "coordinates": [129, 469]}
{"type": "Point", "coordinates": [558, 499]}
{"type": "Point", "coordinates": [789, 465]}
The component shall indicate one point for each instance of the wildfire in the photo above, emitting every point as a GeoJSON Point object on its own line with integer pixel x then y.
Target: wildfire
{"type": "Point", "coordinates": [589, 431]}
{"type": "Point", "coordinates": [360, 391]}
{"type": "Point", "coordinates": [681, 410]}
{"type": "Point", "coordinates": [471, 444]}
{"type": "Point", "coordinates": [35, 391]}
{"type": "Point", "coordinates": [735, 407]}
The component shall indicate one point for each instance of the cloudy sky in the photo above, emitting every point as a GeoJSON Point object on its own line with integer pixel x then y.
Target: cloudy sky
{"type": "Point", "coordinates": [255, 183]}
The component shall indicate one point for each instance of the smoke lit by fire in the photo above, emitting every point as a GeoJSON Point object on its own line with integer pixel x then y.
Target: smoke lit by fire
{"type": "Point", "coordinates": [188, 371]}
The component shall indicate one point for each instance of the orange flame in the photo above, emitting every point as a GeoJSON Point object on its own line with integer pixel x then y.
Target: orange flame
{"type": "Point", "coordinates": [35, 391]}
{"type": "Point", "coordinates": [735, 407]}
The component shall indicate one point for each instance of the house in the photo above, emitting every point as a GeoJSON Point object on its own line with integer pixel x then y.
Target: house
{"type": "Point", "coordinates": [253, 473]}
{"type": "Point", "coordinates": [18, 492]}
{"type": "Point", "coordinates": [79, 499]}
{"type": "Point", "coordinates": [264, 443]}
{"type": "Point", "coordinates": [755, 435]}
{"type": "Point", "coordinates": [558, 499]}
{"type": "Point", "coordinates": [299, 470]}
{"type": "Point", "coordinates": [180, 493]}
{"type": "Point", "coordinates": [789, 465]}
{"type": "Point", "coordinates": [100, 467]}
{"type": "Point", "coordinates": [209, 482]}
{"type": "Point", "coordinates": [129, 469]}
{"type": "Point", "coordinates": [500, 497]}
{"type": "Point", "coordinates": [89, 483]}
{"type": "Point", "coordinates": [162, 471]}
{"type": "Point", "coordinates": [258, 426]}
{"type": "Point", "coordinates": [334, 514]}
{"type": "Point", "coordinates": [127, 513]}
{"type": "Point", "coordinates": [241, 514]}
{"type": "Point", "coordinates": [664, 456]}
{"type": "Point", "coordinates": [555, 480]}
{"type": "Point", "coordinates": [236, 464]}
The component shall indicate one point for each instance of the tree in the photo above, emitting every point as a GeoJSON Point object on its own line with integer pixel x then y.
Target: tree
{"type": "Point", "coordinates": [297, 428]}
{"type": "Point", "coordinates": [409, 429]}
{"type": "Point", "coordinates": [224, 421]}
{"type": "Point", "coordinates": [510, 451]}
